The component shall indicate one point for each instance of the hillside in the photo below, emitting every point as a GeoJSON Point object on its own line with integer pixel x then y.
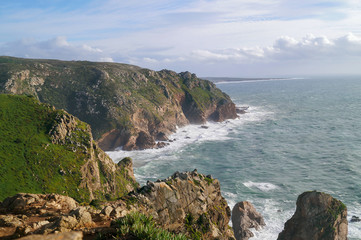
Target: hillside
{"type": "Point", "coordinates": [43, 150]}
{"type": "Point", "coordinates": [126, 105]}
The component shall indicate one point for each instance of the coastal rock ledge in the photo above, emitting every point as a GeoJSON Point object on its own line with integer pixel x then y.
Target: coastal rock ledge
{"type": "Point", "coordinates": [318, 216]}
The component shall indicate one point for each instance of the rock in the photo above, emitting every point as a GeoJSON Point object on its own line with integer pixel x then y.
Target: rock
{"type": "Point", "coordinates": [355, 219]}
{"type": "Point", "coordinates": [83, 217]}
{"type": "Point", "coordinates": [57, 236]}
{"type": "Point", "coordinates": [161, 136]}
{"type": "Point", "coordinates": [187, 202]}
{"type": "Point", "coordinates": [107, 211]}
{"type": "Point", "coordinates": [318, 216]}
{"type": "Point", "coordinates": [24, 203]}
{"type": "Point", "coordinates": [161, 144]}
{"type": "Point", "coordinates": [10, 221]}
{"type": "Point", "coordinates": [244, 217]}
{"type": "Point", "coordinates": [144, 140]}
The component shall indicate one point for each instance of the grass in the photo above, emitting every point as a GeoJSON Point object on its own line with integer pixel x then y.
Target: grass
{"type": "Point", "coordinates": [29, 160]}
{"type": "Point", "coordinates": [139, 226]}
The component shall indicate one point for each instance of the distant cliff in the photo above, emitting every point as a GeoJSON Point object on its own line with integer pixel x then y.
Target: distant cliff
{"type": "Point", "coordinates": [125, 105]}
{"type": "Point", "coordinates": [43, 150]}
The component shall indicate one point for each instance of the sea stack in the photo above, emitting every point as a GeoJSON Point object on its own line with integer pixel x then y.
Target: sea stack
{"type": "Point", "coordinates": [244, 217]}
{"type": "Point", "coordinates": [318, 216]}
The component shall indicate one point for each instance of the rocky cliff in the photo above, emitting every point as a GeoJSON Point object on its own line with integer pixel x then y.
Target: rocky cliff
{"type": "Point", "coordinates": [44, 150]}
{"type": "Point", "coordinates": [125, 105]}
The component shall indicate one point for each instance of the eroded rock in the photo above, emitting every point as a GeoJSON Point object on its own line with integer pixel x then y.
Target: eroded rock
{"type": "Point", "coordinates": [244, 217]}
{"type": "Point", "coordinates": [318, 216]}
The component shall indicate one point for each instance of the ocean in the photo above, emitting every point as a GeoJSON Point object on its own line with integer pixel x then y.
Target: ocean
{"type": "Point", "coordinates": [297, 135]}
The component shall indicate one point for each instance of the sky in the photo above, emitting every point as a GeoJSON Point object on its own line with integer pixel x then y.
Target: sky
{"type": "Point", "coordinates": [212, 38]}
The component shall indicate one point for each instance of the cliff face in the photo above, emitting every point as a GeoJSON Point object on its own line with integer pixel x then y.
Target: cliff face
{"type": "Point", "coordinates": [125, 105]}
{"type": "Point", "coordinates": [43, 150]}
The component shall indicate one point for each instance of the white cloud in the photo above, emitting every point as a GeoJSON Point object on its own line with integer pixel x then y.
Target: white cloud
{"type": "Point", "coordinates": [58, 48]}
{"type": "Point", "coordinates": [286, 56]}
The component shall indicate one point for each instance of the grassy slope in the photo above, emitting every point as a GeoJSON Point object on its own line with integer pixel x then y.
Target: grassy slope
{"type": "Point", "coordinates": [29, 161]}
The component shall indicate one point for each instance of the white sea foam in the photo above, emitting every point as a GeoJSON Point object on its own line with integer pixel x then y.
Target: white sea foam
{"type": "Point", "coordinates": [354, 228]}
{"type": "Point", "coordinates": [275, 214]}
{"type": "Point", "coordinates": [191, 134]}
{"type": "Point", "coordinates": [264, 187]}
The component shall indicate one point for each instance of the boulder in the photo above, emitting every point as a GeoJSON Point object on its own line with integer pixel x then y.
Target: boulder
{"type": "Point", "coordinates": [244, 217]}
{"type": "Point", "coordinates": [318, 216]}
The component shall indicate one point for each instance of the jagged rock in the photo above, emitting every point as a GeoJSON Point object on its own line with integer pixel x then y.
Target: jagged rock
{"type": "Point", "coordinates": [244, 217]}
{"type": "Point", "coordinates": [318, 216]}
{"type": "Point", "coordinates": [57, 236]}
{"type": "Point", "coordinates": [355, 219]}
{"type": "Point", "coordinates": [188, 202]}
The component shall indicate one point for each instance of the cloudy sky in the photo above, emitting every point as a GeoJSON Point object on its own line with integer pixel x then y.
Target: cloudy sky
{"type": "Point", "coordinates": [233, 38]}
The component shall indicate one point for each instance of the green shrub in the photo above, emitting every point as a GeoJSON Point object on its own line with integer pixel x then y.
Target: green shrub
{"type": "Point", "coordinates": [139, 226]}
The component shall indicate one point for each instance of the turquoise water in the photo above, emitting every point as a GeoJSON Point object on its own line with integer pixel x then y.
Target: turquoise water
{"type": "Point", "coordinates": [298, 135]}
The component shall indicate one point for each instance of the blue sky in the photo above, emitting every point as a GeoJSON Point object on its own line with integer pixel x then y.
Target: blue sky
{"type": "Point", "coordinates": [235, 38]}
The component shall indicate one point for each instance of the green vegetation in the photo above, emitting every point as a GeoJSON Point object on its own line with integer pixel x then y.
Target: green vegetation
{"type": "Point", "coordinates": [29, 160]}
{"type": "Point", "coordinates": [197, 228]}
{"type": "Point", "coordinates": [139, 226]}
{"type": "Point", "coordinates": [208, 180]}
{"type": "Point", "coordinates": [36, 158]}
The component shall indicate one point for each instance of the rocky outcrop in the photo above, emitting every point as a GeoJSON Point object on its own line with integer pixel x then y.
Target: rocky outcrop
{"type": "Point", "coordinates": [318, 216]}
{"type": "Point", "coordinates": [126, 106]}
{"type": "Point", "coordinates": [244, 217]}
{"type": "Point", "coordinates": [187, 202]}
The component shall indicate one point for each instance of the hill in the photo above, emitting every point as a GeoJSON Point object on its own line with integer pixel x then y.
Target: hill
{"type": "Point", "coordinates": [44, 150]}
{"type": "Point", "coordinates": [126, 105]}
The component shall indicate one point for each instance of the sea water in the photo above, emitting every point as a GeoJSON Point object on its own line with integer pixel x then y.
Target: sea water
{"type": "Point", "coordinates": [297, 135]}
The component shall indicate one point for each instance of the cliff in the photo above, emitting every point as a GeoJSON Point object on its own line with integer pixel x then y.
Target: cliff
{"type": "Point", "coordinates": [44, 150]}
{"type": "Point", "coordinates": [125, 105]}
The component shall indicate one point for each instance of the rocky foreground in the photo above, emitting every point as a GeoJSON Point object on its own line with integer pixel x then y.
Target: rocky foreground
{"type": "Point", "coordinates": [189, 204]}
